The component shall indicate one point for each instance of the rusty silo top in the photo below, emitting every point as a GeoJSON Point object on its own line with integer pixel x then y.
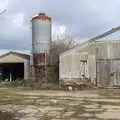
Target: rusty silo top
{"type": "Point", "coordinates": [42, 16]}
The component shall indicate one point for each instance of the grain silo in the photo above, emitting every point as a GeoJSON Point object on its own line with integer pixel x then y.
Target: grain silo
{"type": "Point", "coordinates": [41, 43]}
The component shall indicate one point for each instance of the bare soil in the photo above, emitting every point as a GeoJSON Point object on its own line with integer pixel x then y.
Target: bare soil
{"type": "Point", "coordinates": [98, 104]}
{"type": "Point", "coordinates": [6, 116]}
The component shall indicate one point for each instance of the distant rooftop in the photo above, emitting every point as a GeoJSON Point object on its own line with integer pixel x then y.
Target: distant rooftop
{"type": "Point", "coordinates": [4, 51]}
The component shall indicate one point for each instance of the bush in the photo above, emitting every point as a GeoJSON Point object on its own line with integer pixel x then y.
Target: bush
{"type": "Point", "coordinates": [31, 84]}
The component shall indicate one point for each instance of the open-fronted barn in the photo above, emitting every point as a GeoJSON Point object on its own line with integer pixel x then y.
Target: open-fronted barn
{"type": "Point", "coordinates": [95, 62]}
{"type": "Point", "coordinates": [14, 65]}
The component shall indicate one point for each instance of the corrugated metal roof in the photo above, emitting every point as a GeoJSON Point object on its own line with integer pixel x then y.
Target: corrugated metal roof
{"type": "Point", "coordinates": [14, 57]}
{"type": "Point", "coordinates": [94, 39]}
{"type": "Point", "coordinates": [5, 51]}
{"type": "Point", "coordinates": [2, 52]}
{"type": "Point", "coordinates": [113, 30]}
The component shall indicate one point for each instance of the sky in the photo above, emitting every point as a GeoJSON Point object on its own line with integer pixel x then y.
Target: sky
{"type": "Point", "coordinates": [82, 18]}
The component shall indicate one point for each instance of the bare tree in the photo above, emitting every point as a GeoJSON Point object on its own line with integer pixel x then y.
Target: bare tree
{"type": "Point", "coordinates": [60, 45]}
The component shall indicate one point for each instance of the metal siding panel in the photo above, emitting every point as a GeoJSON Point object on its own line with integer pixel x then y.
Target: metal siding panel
{"type": "Point", "coordinates": [41, 35]}
{"type": "Point", "coordinates": [69, 66]}
{"type": "Point", "coordinates": [115, 73]}
{"type": "Point", "coordinates": [92, 66]}
{"type": "Point", "coordinates": [108, 50]}
{"type": "Point", "coordinates": [103, 73]}
{"type": "Point", "coordinates": [108, 73]}
{"type": "Point", "coordinates": [11, 59]}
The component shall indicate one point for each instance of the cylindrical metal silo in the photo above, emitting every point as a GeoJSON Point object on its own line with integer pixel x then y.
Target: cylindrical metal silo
{"type": "Point", "coordinates": [41, 41]}
{"type": "Point", "coordinates": [41, 33]}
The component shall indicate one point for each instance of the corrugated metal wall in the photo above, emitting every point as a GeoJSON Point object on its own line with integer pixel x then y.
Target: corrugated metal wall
{"type": "Point", "coordinates": [69, 66]}
{"type": "Point", "coordinates": [76, 65]}
{"type": "Point", "coordinates": [108, 73]}
{"type": "Point", "coordinates": [108, 50]}
{"type": "Point", "coordinates": [103, 63]}
{"type": "Point", "coordinates": [92, 68]}
{"type": "Point", "coordinates": [108, 63]}
{"type": "Point", "coordinates": [41, 34]}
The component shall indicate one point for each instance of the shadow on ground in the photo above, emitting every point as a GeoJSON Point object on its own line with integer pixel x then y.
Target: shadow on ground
{"type": "Point", "coordinates": [6, 116]}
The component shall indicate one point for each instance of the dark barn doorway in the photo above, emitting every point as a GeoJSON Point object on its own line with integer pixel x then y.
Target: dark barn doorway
{"type": "Point", "coordinates": [12, 71]}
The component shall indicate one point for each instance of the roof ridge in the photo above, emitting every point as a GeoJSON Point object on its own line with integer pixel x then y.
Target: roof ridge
{"type": "Point", "coordinates": [93, 39]}
{"type": "Point", "coordinates": [105, 34]}
{"type": "Point", "coordinates": [16, 53]}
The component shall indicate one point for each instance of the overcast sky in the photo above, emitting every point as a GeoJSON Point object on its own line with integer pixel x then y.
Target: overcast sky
{"type": "Point", "coordinates": [83, 18]}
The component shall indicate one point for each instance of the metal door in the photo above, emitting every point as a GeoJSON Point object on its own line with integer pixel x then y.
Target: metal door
{"type": "Point", "coordinates": [115, 73]}
{"type": "Point", "coordinates": [108, 73]}
{"type": "Point", "coordinates": [103, 73]}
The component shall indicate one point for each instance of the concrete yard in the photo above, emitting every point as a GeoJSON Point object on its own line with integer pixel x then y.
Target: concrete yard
{"type": "Point", "coordinates": [101, 104]}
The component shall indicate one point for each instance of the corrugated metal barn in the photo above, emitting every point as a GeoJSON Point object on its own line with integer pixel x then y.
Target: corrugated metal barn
{"type": "Point", "coordinates": [96, 61]}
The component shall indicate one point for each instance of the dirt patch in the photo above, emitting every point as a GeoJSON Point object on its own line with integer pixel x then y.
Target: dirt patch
{"type": "Point", "coordinates": [6, 116]}
{"type": "Point", "coordinates": [60, 105]}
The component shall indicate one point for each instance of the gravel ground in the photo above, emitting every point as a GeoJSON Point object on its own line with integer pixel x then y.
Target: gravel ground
{"type": "Point", "coordinates": [61, 105]}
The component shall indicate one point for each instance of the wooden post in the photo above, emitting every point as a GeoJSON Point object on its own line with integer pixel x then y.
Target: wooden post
{"type": "Point", "coordinates": [10, 76]}
{"type": "Point", "coordinates": [26, 70]}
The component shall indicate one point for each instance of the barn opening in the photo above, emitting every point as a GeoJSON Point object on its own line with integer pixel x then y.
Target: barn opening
{"type": "Point", "coordinates": [14, 66]}
{"type": "Point", "coordinates": [12, 71]}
